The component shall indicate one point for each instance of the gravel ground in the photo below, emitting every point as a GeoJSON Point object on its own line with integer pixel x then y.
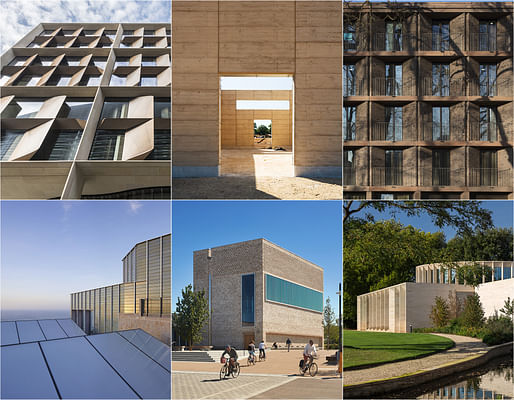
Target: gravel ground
{"type": "Point", "coordinates": [464, 347]}
{"type": "Point", "coordinates": [251, 188]}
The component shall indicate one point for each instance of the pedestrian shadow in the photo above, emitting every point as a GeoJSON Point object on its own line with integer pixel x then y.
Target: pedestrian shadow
{"type": "Point", "coordinates": [212, 380]}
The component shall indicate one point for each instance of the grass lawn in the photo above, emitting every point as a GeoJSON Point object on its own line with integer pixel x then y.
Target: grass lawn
{"type": "Point", "coordinates": [362, 348]}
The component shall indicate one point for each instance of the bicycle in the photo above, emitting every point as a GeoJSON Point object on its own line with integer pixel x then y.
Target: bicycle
{"type": "Point", "coordinates": [251, 360]}
{"type": "Point", "coordinates": [226, 370]}
{"type": "Point", "coordinates": [310, 366]}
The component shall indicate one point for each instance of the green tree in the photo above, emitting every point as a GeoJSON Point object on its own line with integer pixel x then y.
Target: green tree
{"type": "Point", "coordinates": [508, 308]}
{"type": "Point", "coordinates": [493, 244]}
{"type": "Point", "coordinates": [381, 254]}
{"type": "Point", "coordinates": [464, 216]}
{"type": "Point", "coordinates": [328, 319]}
{"type": "Point", "coordinates": [192, 312]}
{"type": "Point", "coordinates": [473, 313]}
{"type": "Point", "coordinates": [440, 313]}
{"type": "Point", "coordinates": [263, 130]}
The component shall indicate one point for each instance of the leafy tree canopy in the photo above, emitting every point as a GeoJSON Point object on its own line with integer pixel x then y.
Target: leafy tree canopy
{"type": "Point", "coordinates": [494, 244]}
{"type": "Point", "coordinates": [192, 312]}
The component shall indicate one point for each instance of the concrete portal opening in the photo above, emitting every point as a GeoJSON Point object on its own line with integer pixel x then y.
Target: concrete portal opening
{"type": "Point", "coordinates": [247, 105]}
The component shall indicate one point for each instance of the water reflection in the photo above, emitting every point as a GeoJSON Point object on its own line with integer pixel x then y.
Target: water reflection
{"type": "Point", "coordinates": [497, 383]}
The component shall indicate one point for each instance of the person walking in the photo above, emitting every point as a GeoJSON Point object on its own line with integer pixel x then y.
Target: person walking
{"type": "Point", "coordinates": [288, 343]}
{"type": "Point", "coordinates": [262, 350]}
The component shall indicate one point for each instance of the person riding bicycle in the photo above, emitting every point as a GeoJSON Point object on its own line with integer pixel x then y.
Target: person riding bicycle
{"type": "Point", "coordinates": [232, 353]}
{"type": "Point", "coordinates": [262, 351]}
{"type": "Point", "coordinates": [308, 352]}
{"type": "Point", "coordinates": [251, 349]}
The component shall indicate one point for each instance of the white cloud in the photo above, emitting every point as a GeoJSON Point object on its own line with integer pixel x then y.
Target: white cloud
{"type": "Point", "coordinates": [18, 17]}
{"type": "Point", "coordinates": [134, 206]}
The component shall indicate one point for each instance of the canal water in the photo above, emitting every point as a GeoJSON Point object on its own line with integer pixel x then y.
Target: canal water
{"type": "Point", "coordinates": [493, 380]}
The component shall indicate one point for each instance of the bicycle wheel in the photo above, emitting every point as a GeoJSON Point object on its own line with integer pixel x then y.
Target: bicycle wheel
{"type": "Point", "coordinates": [235, 371]}
{"type": "Point", "coordinates": [313, 369]}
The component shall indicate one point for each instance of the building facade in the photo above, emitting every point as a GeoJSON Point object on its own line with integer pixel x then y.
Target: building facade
{"type": "Point", "coordinates": [428, 100]}
{"type": "Point", "coordinates": [406, 306]}
{"type": "Point", "coordinates": [259, 291]}
{"type": "Point", "coordinates": [298, 39]}
{"type": "Point", "coordinates": [142, 301]}
{"type": "Point", "coordinates": [86, 112]}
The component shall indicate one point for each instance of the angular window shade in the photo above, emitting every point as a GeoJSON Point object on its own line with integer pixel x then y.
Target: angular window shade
{"type": "Point", "coordinates": [285, 292]}
{"type": "Point", "coordinates": [22, 109]}
{"type": "Point", "coordinates": [78, 109]}
{"type": "Point", "coordinates": [59, 146]}
{"type": "Point", "coordinates": [30, 142]}
{"type": "Point", "coordinates": [139, 141]}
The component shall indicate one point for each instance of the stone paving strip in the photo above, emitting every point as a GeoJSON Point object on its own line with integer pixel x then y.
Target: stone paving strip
{"type": "Point", "coordinates": [465, 347]}
{"type": "Point", "coordinates": [190, 385]}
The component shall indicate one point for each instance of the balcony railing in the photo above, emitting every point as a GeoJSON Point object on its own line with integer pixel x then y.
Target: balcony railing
{"type": "Point", "coordinates": [441, 177]}
{"type": "Point", "coordinates": [386, 131]}
{"type": "Point", "coordinates": [357, 89]}
{"type": "Point", "coordinates": [391, 87]}
{"type": "Point", "coordinates": [487, 42]}
{"type": "Point", "coordinates": [348, 175]}
{"type": "Point", "coordinates": [490, 89]}
{"type": "Point", "coordinates": [385, 176]}
{"type": "Point", "coordinates": [490, 177]}
{"type": "Point", "coordinates": [450, 87]}
{"type": "Point", "coordinates": [352, 130]}
{"type": "Point", "coordinates": [394, 42]}
{"type": "Point", "coordinates": [487, 133]}
{"type": "Point", "coordinates": [440, 42]}
{"type": "Point", "coordinates": [440, 135]}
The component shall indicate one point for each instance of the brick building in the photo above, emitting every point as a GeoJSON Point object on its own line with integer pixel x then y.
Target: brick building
{"type": "Point", "coordinates": [86, 111]}
{"type": "Point", "coordinates": [428, 100]}
{"type": "Point", "coordinates": [258, 290]}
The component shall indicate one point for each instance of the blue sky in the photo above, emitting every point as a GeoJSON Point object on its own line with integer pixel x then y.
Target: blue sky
{"type": "Point", "coordinates": [18, 17]}
{"type": "Point", "coordinates": [501, 212]}
{"type": "Point", "coordinates": [52, 248]}
{"type": "Point", "coordinates": [310, 229]}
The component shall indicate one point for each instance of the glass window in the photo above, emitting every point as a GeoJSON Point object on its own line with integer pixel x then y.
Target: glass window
{"type": "Point", "coordinates": [290, 293]}
{"type": "Point", "coordinates": [125, 44]}
{"type": "Point", "coordinates": [393, 79]}
{"type": "Point", "coordinates": [77, 109]}
{"type": "Point", "coordinates": [22, 108]}
{"type": "Point", "coordinates": [73, 61]}
{"type": "Point", "coordinates": [107, 145]}
{"type": "Point", "coordinates": [4, 79]}
{"type": "Point", "coordinates": [17, 61]}
{"type": "Point", "coordinates": [162, 145]}
{"type": "Point", "coordinates": [162, 109]}
{"type": "Point", "coordinates": [90, 80]}
{"type": "Point", "coordinates": [149, 43]}
{"type": "Point", "coordinates": [59, 145]}
{"type": "Point", "coordinates": [452, 276]}
{"type": "Point", "coordinates": [440, 167]}
{"type": "Point", "coordinates": [104, 44]}
{"type": "Point", "coordinates": [488, 168]}
{"type": "Point", "coordinates": [117, 80]}
{"type": "Point", "coordinates": [394, 123]}
{"type": "Point", "coordinates": [393, 39]}
{"type": "Point", "coordinates": [440, 35]}
{"type": "Point", "coordinates": [148, 81]}
{"type": "Point", "coordinates": [393, 167]}
{"type": "Point", "coordinates": [507, 272]}
{"type": "Point", "coordinates": [247, 299]}
{"type": "Point", "coordinates": [348, 168]}
{"type": "Point", "coordinates": [68, 32]}
{"type": "Point", "coordinates": [497, 273]}
{"type": "Point", "coordinates": [27, 80]}
{"type": "Point", "coordinates": [349, 122]}
{"type": "Point", "coordinates": [33, 44]}
{"type": "Point", "coordinates": [47, 32]}
{"type": "Point", "coordinates": [349, 37]}
{"type": "Point", "coordinates": [440, 123]}
{"type": "Point", "coordinates": [349, 80]}
{"type": "Point", "coordinates": [488, 80]}
{"type": "Point", "coordinates": [488, 124]}
{"type": "Point", "coordinates": [438, 276]}
{"type": "Point", "coordinates": [122, 61]}
{"type": "Point", "coordinates": [110, 34]}
{"type": "Point", "coordinates": [58, 80]}
{"type": "Point", "coordinates": [149, 32]}
{"type": "Point", "coordinates": [148, 61]}
{"type": "Point", "coordinates": [440, 79]}
{"type": "Point", "coordinates": [89, 32]}
{"type": "Point", "coordinates": [487, 36]}
{"type": "Point", "coordinates": [115, 109]}
{"type": "Point", "coordinates": [445, 276]}
{"type": "Point", "coordinates": [99, 62]}
{"type": "Point", "coordinates": [45, 61]}
{"type": "Point", "coordinates": [8, 142]}
{"type": "Point", "coordinates": [128, 32]}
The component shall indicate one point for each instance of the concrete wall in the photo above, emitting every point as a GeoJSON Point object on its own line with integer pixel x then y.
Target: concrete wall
{"type": "Point", "coordinates": [158, 327]}
{"type": "Point", "coordinates": [215, 38]}
{"type": "Point", "coordinates": [237, 125]}
{"type": "Point", "coordinates": [493, 295]}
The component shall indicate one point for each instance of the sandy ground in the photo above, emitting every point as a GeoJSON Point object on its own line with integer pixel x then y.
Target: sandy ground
{"type": "Point", "coordinates": [248, 187]}
{"type": "Point", "coordinates": [464, 347]}
{"type": "Point", "coordinates": [277, 362]}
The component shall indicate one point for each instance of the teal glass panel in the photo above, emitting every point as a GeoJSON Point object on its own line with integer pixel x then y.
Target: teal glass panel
{"type": "Point", "coordinates": [286, 292]}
